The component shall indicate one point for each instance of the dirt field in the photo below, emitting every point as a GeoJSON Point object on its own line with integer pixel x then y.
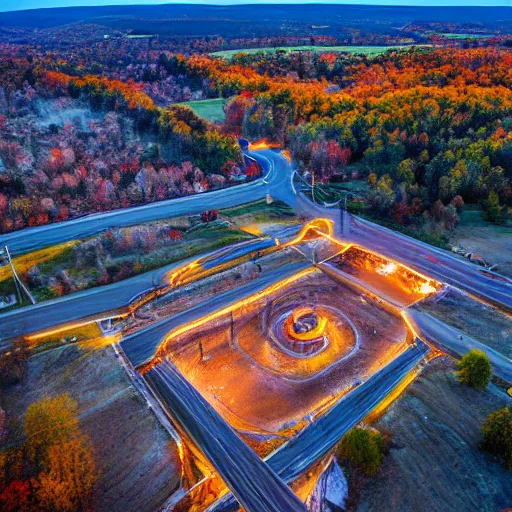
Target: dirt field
{"type": "Point", "coordinates": [246, 378]}
{"type": "Point", "coordinates": [137, 458]}
{"type": "Point", "coordinates": [434, 464]}
{"type": "Point", "coordinates": [481, 322]}
{"type": "Point", "coordinates": [492, 242]}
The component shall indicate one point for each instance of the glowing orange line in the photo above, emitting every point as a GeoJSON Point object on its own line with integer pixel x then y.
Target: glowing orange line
{"type": "Point", "coordinates": [66, 327]}
{"type": "Point", "coordinates": [313, 226]}
{"type": "Point", "coordinates": [402, 265]}
{"type": "Point", "coordinates": [228, 309]}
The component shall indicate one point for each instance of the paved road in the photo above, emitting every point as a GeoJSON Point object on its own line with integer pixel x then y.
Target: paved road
{"type": "Point", "coordinates": [302, 451]}
{"type": "Point", "coordinates": [434, 262]}
{"type": "Point", "coordinates": [43, 236]}
{"type": "Point", "coordinates": [140, 347]}
{"type": "Point", "coordinates": [96, 303]}
{"type": "Point", "coordinates": [449, 340]}
{"type": "Point", "coordinates": [103, 301]}
{"type": "Point", "coordinates": [424, 258]}
{"type": "Point", "coordinates": [277, 181]}
{"type": "Point", "coordinates": [255, 485]}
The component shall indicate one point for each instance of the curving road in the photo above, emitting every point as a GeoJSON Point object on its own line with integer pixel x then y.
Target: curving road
{"type": "Point", "coordinates": [256, 485]}
{"type": "Point", "coordinates": [112, 299]}
{"type": "Point", "coordinates": [452, 341]}
{"type": "Point", "coordinates": [140, 348]}
{"type": "Point", "coordinates": [31, 239]}
{"type": "Point", "coordinates": [435, 262]}
{"type": "Point", "coordinates": [424, 258]}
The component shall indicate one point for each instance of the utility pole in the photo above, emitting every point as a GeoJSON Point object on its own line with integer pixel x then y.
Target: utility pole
{"type": "Point", "coordinates": [232, 330]}
{"type": "Point", "coordinates": [345, 220]}
{"type": "Point", "coordinates": [17, 281]}
{"type": "Point", "coordinates": [313, 185]}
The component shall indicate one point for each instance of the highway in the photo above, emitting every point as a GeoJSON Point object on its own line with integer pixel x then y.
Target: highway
{"type": "Point", "coordinates": [141, 347]}
{"type": "Point", "coordinates": [302, 451]}
{"type": "Point", "coordinates": [103, 301]}
{"type": "Point", "coordinates": [452, 341]}
{"type": "Point", "coordinates": [30, 239]}
{"type": "Point", "coordinates": [424, 258]}
{"type": "Point", "coordinates": [436, 263]}
{"type": "Point", "coordinates": [255, 485]}
{"type": "Point", "coordinates": [489, 286]}
{"type": "Point", "coordinates": [277, 181]}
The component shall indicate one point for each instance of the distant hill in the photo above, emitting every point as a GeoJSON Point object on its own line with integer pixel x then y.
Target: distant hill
{"type": "Point", "coordinates": [247, 20]}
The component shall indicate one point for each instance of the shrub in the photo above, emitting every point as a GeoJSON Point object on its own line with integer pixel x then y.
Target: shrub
{"type": "Point", "coordinates": [497, 435]}
{"type": "Point", "coordinates": [209, 215]}
{"type": "Point", "coordinates": [46, 293]}
{"type": "Point", "coordinates": [364, 448]}
{"type": "Point", "coordinates": [16, 497]}
{"type": "Point", "coordinates": [474, 369]}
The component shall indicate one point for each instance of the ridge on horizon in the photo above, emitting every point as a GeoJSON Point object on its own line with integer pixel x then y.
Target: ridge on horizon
{"type": "Point", "coordinates": [32, 5]}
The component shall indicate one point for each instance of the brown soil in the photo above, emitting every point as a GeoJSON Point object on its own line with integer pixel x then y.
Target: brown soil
{"type": "Point", "coordinates": [435, 463]}
{"type": "Point", "coordinates": [138, 460]}
{"type": "Point", "coordinates": [494, 243]}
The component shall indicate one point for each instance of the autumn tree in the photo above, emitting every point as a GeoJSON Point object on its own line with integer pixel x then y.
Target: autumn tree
{"type": "Point", "coordinates": [364, 448]}
{"type": "Point", "coordinates": [67, 484]}
{"type": "Point", "coordinates": [493, 209]}
{"type": "Point", "coordinates": [497, 435]}
{"type": "Point", "coordinates": [17, 497]}
{"type": "Point", "coordinates": [405, 171]}
{"type": "Point", "coordinates": [382, 196]}
{"type": "Point", "coordinates": [49, 421]}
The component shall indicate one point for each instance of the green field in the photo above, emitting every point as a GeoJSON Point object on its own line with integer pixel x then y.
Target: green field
{"type": "Point", "coordinates": [367, 50]}
{"type": "Point", "coordinates": [211, 110]}
{"type": "Point", "coordinates": [138, 36]}
{"type": "Point", "coordinates": [466, 36]}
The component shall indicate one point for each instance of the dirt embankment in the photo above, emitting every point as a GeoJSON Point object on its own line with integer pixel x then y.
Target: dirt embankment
{"type": "Point", "coordinates": [138, 460]}
{"type": "Point", "coordinates": [435, 464]}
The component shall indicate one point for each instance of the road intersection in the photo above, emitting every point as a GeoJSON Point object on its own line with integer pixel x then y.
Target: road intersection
{"type": "Point", "coordinates": [260, 486]}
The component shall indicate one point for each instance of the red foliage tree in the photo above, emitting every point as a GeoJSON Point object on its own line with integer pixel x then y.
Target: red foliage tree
{"type": "Point", "coordinates": [209, 215]}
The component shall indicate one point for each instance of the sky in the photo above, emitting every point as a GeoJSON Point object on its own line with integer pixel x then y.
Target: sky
{"type": "Point", "coordinates": [13, 5]}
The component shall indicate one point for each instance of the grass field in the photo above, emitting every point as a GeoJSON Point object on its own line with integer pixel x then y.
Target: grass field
{"type": "Point", "coordinates": [25, 262]}
{"type": "Point", "coordinates": [234, 225]}
{"type": "Point", "coordinates": [466, 36]}
{"type": "Point", "coordinates": [211, 110]}
{"type": "Point", "coordinates": [367, 50]}
{"type": "Point", "coordinates": [138, 36]}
